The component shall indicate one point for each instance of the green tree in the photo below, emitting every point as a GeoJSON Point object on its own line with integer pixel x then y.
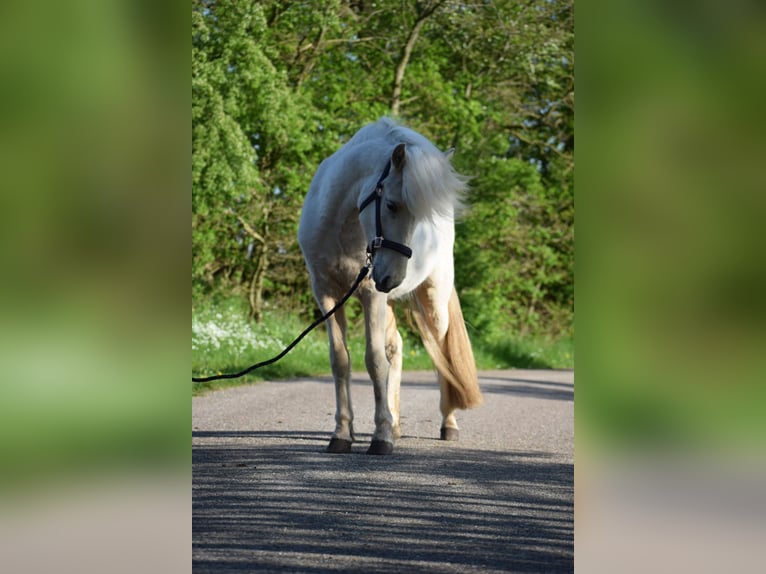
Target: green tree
{"type": "Point", "coordinates": [249, 169]}
{"type": "Point", "coordinates": [279, 85]}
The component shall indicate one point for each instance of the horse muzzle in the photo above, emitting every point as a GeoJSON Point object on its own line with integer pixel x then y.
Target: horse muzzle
{"type": "Point", "coordinates": [385, 282]}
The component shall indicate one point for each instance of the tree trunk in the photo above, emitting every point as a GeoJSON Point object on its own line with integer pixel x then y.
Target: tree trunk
{"type": "Point", "coordinates": [255, 295]}
{"type": "Point", "coordinates": [255, 292]}
{"type": "Point", "coordinates": [404, 59]}
{"type": "Point", "coordinates": [396, 92]}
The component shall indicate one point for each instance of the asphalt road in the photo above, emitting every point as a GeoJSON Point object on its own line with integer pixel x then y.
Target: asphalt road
{"type": "Point", "coordinates": [267, 498]}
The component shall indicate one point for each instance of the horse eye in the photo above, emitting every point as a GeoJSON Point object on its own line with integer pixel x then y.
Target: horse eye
{"type": "Point", "coordinates": [391, 206]}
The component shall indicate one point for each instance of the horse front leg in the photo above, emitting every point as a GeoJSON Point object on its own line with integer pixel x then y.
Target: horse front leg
{"type": "Point", "coordinates": [340, 361]}
{"type": "Point", "coordinates": [378, 369]}
{"type": "Point", "coordinates": [394, 356]}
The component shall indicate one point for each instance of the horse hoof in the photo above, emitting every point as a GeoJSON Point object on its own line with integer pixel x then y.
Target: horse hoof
{"type": "Point", "coordinates": [380, 447]}
{"type": "Point", "coordinates": [448, 433]}
{"type": "Point", "coordinates": [339, 446]}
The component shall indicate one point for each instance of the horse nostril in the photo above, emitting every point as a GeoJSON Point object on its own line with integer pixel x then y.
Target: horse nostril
{"type": "Point", "coordinates": [384, 284]}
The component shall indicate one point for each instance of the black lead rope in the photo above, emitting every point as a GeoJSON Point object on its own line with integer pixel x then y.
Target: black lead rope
{"type": "Point", "coordinates": [376, 244]}
{"type": "Point", "coordinates": [362, 274]}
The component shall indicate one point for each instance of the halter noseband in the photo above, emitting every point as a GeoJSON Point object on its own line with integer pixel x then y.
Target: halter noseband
{"type": "Point", "coordinates": [379, 241]}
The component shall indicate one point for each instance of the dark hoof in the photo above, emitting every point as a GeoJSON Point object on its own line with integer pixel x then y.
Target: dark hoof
{"type": "Point", "coordinates": [380, 447]}
{"type": "Point", "coordinates": [449, 434]}
{"type": "Point", "coordinates": [339, 446]}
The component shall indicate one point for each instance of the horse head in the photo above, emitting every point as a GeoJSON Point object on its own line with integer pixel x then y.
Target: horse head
{"type": "Point", "coordinates": [389, 227]}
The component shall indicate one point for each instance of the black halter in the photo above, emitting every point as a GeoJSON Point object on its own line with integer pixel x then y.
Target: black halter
{"type": "Point", "coordinates": [379, 241]}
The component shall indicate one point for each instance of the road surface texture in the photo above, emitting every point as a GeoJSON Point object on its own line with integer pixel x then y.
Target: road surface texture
{"type": "Point", "coordinates": [267, 498]}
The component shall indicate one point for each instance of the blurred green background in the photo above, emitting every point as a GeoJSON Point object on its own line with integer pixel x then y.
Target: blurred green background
{"type": "Point", "coordinates": [94, 260]}
{"type": "Point", "coordinates": [670, 196]}
{"type": "Point", "coordinates": [670, 277]}
{"type": "Point", "coordinates": [94, 240]}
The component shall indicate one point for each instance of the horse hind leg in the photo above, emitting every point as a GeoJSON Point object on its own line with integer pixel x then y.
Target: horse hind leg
{"type": "Point", "coordinates": [449, 429]}
{"type": "Point", "coordinates": [340, 362]}
{"type": "Point", "coordinates": [394, 356]}
{"type": "Point", "coordinates": [440, 321]}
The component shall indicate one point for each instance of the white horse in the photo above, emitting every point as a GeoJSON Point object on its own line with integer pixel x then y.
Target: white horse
{"type": "Point", "coordinates": [416, 194]}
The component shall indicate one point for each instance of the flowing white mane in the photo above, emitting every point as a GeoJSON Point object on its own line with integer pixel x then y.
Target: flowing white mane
{"type": "Point", "coordinates": [431, 185]}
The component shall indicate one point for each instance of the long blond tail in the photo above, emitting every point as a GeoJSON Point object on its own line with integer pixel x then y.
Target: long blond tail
{"type": "Point", "coordinates": [453, 358]}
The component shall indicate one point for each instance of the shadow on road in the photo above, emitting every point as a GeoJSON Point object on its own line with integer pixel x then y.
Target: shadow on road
{"type": "Point", "coordinates": [271, 502]}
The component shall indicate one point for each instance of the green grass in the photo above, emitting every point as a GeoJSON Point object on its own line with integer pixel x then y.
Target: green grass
{"type": "Point", "coordinates": [223, 341]}
{"type": "Point", "coordinates": [535, 352]}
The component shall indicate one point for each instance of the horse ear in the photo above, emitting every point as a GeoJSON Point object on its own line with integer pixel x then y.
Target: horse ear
{"type": "Point", "coordinates": [398, 156]}
{"type": "Point", "coordinates": [449, 153]}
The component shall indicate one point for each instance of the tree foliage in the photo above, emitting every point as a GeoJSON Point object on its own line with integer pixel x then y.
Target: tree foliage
{"type": "Point", "coordinates": [279, 85]}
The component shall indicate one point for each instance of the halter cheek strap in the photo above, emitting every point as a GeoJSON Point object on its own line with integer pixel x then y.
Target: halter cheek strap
{"type": "Point", "coordinates": [379, 241]}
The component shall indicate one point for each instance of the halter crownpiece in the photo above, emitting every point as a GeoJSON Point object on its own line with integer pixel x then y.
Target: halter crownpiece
{"type": "Point", "coordinates": [379, 241]}
{"type": "Point", "coordinates": [378, 191]}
